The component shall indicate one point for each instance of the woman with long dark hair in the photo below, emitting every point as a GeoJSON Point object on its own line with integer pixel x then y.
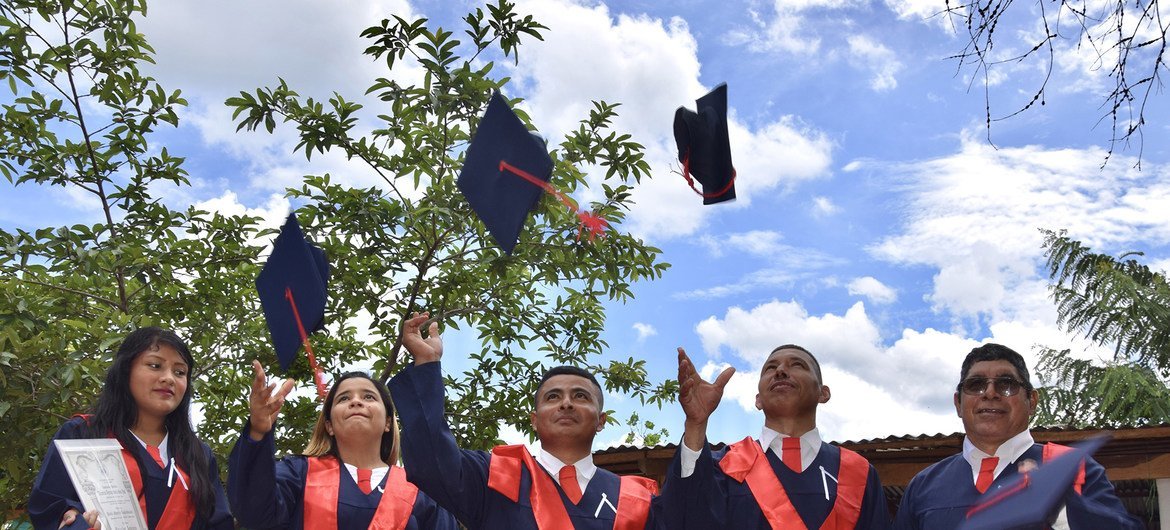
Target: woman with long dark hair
{"type": "Point", "coordinates": [145, 404]}
{"type": "Point", "coordinates": [347, 479]}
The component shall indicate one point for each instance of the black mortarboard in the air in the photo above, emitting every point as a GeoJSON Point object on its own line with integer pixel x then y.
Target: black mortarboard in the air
{"type": "Point", "coordinates": [703, 147]}
{"type": "Point", "coordinates": [505, 171]}
{"type": "Point", "coordinates": [1032, 499]}
{"type": "Point", "coordinates": [296, 271]}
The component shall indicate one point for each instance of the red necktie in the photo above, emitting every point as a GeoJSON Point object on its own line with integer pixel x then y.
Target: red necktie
{"type": "Point", "coordinates": [986, 473]}
{"type": "Point", "coordinates": [791, 453]}
{"type": "Point", "coordinates": [569, 483]}
{"type": "Point", "coordinates": [155, 455]}
{"type": "Point", "coordinates": [364, 480]}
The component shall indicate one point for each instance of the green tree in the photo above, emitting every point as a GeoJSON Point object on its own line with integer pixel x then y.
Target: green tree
{"type": "Point", "coordinates": [80, 118]}
{"type": "Point", "coordinates": [413, 243]}
{"type": "Point", "coordinates": [1117, 303]}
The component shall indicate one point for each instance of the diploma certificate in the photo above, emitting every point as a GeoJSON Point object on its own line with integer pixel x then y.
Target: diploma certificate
{"type": "Point", "coordinates": [99, 475]}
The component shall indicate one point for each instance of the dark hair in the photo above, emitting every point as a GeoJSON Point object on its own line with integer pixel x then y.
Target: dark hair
{"type": "Point", "coordinates": [116, 412]}
{"type": "Point", "coordinates": [816, 363]}
{"type": "Point", "coordinates": [996, 352]}
{"type": "Point", "coordinates": [565, 369]}
{"type": "Point", "coordinates": [322, 443]}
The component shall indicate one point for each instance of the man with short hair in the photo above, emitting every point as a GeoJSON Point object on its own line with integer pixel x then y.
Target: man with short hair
{"type": "Point", "coordinates": [557, 488]}
{"type": "Point", "coordinates": [788, 478]}
{"type": "Point", "coordinates": [996, 400]}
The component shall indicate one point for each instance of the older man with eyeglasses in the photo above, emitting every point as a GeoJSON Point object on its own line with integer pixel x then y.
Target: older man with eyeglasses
{"type": "Point", "coordinates": [995, 399]}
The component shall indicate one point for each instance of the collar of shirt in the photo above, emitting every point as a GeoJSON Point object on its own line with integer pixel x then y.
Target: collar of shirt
{"type": "Point", "coordinates": [376, 474]}
{"type": "Point", "coordinates": [585, 467]}
{"type": "Point", "coordinates": [164, 455]}
{"type": "Point", "coordinates": [1009, 451]}
{"type": "Point", "coordinates": [810, 445]}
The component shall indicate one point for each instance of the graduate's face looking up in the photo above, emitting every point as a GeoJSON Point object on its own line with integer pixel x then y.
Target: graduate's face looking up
{"type": "Point", "coordinates": [357, 410]}
{"type": "Point", "coordinates": [158, 381]}
{"type": "Point", "coordinates": [992, 418]}
{"type": "Point", "coordinates": [790, 385]}
{"type": "Point", "coordinates": [568, 407]}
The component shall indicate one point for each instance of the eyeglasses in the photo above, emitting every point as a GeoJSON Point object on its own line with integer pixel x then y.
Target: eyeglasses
{"type": "Point", "coordinates": [1004, 386]}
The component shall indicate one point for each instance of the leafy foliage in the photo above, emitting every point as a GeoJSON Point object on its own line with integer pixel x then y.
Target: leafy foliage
{"type": "Point", "coordinates": [79, 120]}
{"type": "Point", "coordinates": [413, 244]}
{"type": "Point", "coordinates": [1127, 37]}
{"type": "Point", "coordinates": [1118, 303]}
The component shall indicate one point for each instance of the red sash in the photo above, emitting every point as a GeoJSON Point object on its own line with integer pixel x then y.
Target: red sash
{"type": "Point", "coordinates": [504, 473]}
{"type": "Point", "coordinates": [323, 482]}
{"type": "Point", "coordinates": [745, 461]}
{"type": "Point", "coordinates": [1052, 450]}
{"type": "Point", "coordinates": [178, 513]}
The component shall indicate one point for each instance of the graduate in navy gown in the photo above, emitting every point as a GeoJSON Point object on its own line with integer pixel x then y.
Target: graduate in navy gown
{"type": "Point", "coordinates": [788, 478]}
{"type": "Point", "coordinates": [558, 488]}
{"type": "Point", "coordinates": [345, 480]}
{"type": "Point", "coordinates": [144, 404]}
{"type": "Point", "coordinates": [996, 400]}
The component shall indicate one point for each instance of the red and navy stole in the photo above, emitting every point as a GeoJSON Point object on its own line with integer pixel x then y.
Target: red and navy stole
{"type": "Point", "coordinates": [746, 461]}
{"type": "Point", "coordinates": [504, 473]}
{"type": "Point", "coordinates": [1052, 450]}
{"type": "Point", "coordinates": [323, 482]}
{"type": "Point", "coordinates": [179, 512]}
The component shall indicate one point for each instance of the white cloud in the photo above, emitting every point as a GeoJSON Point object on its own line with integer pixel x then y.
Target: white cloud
{"type": "Point", "coordinates": [755, 242]}
{"type": "Point", "coordinates": [628, 59]}
{"type": "Point", "coordinates": [876, 291]}
{"type": "Point", "coordinates": [880, 386]}
{"type": "Point", "coordinates": [975, 216]}
{"type": "Point", "coordinates": [824, 207]}
{"type": "Point", "coordinates": [784, 264]}
{"type": "Point", "coordinates": [868, 54]}
{"type": "Point", "coordinates": [644, 330]}
{"type": "Point", "coordinates": [246, 54]}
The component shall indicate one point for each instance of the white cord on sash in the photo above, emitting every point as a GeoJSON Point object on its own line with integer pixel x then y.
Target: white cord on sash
{"type": "Point", "coordinates": [825, 482]}
{"type": "Point", "coordinates": [604, 501]}
{"type": "Point", "coordinates": [175, 472]}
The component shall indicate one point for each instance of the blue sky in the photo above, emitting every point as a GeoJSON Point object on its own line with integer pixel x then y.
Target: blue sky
{"type": "Point", "coordinates": [875, 224]}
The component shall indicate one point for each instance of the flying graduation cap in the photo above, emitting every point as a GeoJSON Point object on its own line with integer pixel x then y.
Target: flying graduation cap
{"type": "Point", "coordinates": [703, 147]}
{"type": "Point", "coordinates": [505, 171]}
{"type": "Point", "coordinates": [1033, 498]}
{"type": "Point", "coordinates": [292, 287]}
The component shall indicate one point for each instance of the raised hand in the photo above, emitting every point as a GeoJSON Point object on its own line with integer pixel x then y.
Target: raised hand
{"type": "Point", "coordinates": [265, 402]}
{"type": "Point", "coordinates": [698, 399]}
{"type": "Point", "coordinates": [424, 350]}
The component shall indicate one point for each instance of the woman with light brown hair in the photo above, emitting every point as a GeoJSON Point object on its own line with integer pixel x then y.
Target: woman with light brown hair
{"type": "Point", "coordinates": [347, 478]}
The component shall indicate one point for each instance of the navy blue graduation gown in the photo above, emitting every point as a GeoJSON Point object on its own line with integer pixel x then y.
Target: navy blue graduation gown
{"type": "Point", "coordinates": [458, 479]}
{"type": "Point", "coordinates": [53, 492]}
{"type": "Point", "coordinates": [940, 495]}
{"type": "Point", "coordinates": [709, 499]}
{"type": "Point", "coordinates": [269, 493]}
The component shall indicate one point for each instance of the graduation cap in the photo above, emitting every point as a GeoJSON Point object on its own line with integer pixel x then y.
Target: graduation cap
{"type": "Point", "coordinates": [703, 147]}
{"type": "Point", "coordinates": [506, 170]}
{"type": "Point", "coordinates": [1033, 498]}
{"type": "Point", "coordinates": [292, 287]}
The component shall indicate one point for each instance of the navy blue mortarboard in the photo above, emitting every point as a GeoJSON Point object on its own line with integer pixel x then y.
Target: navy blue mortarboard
{"type": "Point", "coordinates": [505, 171]}
{"type": "Point", "coordinates": [703, 147]}
{"type": "Point", "coordinates": [1031, 499]}
{"type": "Point", "coordinates": [292, 289]}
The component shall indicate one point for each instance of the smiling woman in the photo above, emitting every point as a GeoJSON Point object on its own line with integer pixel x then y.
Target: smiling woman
{"type": "Point", "coordinates": [346, 478]}
{"type": "Point", "coordinates": [145, 405]}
